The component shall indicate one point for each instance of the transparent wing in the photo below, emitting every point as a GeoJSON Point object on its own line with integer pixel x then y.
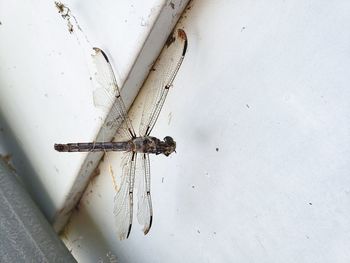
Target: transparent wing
{"type": "Point", "coordinates": [107, 94]}
{"type": "Point", "coordinates": [143, 186]}
{"type": "Point", "coordinates": [123, 200]}
{"type": "Point", "coordinates": [166, 68]}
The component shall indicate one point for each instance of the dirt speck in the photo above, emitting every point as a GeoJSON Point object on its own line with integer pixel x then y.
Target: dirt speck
{"type": "Point", "coordinates": [95, 173]}
{"type": "Point", "coordinates": [90, 163]}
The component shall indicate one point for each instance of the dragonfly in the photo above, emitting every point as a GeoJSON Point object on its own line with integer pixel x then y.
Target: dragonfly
{"type": "Point", "coordinates": [135, 164]}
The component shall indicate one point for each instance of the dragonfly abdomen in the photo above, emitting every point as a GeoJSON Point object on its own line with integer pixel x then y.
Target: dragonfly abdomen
{"type": "Point", "coordinates": [94, 147]}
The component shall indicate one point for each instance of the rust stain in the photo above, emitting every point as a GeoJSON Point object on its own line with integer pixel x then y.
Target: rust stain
{"type": "Point", "coordinates": [95, 173]}
{"type": "Point", "coordinates": [181, 34]}
{"type": "Point", "coordinates": [188, 8]}
{"type": "Point", "coordinates": [8, 160]}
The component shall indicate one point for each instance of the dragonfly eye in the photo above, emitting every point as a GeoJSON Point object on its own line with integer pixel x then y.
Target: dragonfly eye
{"type": "Point", "coordinates": [169, 140]}
{"type": "Point", "coordinates": [170, 145]}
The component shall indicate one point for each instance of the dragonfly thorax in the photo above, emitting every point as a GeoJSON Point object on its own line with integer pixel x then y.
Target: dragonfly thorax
{"type": "Point", "coordinates": [150, 144]}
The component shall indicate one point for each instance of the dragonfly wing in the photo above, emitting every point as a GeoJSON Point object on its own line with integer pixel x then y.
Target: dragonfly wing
{"type": "Point", "coordinates": [123, 201]}
{"type": "Point", "coordinates": [166, 69]}
{"type": "Point", "coordinates": [107, 94]}
{"type": "Point", "coordinates": [144, 202]}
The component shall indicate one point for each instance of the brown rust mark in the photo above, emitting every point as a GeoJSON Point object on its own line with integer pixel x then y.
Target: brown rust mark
{"type": "Point", "coordinates": [95, 173]}
{"type": "Point", "coordinates": [171, 39]}
{"type": "Point", "coordinates": [187, 9]}
{"type": "Point", "coordinates": [181, 34]}
{"type": "Point", "coordinates": [8, 160]}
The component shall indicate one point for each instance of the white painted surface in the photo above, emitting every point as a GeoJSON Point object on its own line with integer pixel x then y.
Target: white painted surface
{"type": "Point", "coordinates": [267, 84]}
{"type": "Point", "coordinates": [46, 95]}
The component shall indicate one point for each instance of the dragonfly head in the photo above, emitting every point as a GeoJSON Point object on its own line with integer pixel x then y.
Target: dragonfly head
{"type": "Point", "coordinates": [169, 145]}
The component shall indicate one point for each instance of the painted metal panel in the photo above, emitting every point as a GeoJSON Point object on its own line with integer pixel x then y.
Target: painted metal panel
{"type": "Point", "coordinates": [260, 113]}
{"type": "Point", "coordinates": [47, 92]}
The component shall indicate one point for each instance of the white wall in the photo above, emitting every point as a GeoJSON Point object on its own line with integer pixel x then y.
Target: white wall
{"type": "Point", "coordinates": [267, 85]}
{"type": "Point", "coordinates": [46, 94]}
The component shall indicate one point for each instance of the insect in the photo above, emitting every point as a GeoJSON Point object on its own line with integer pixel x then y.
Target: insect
{"type": "Point", "coordinates": [136, 161]}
